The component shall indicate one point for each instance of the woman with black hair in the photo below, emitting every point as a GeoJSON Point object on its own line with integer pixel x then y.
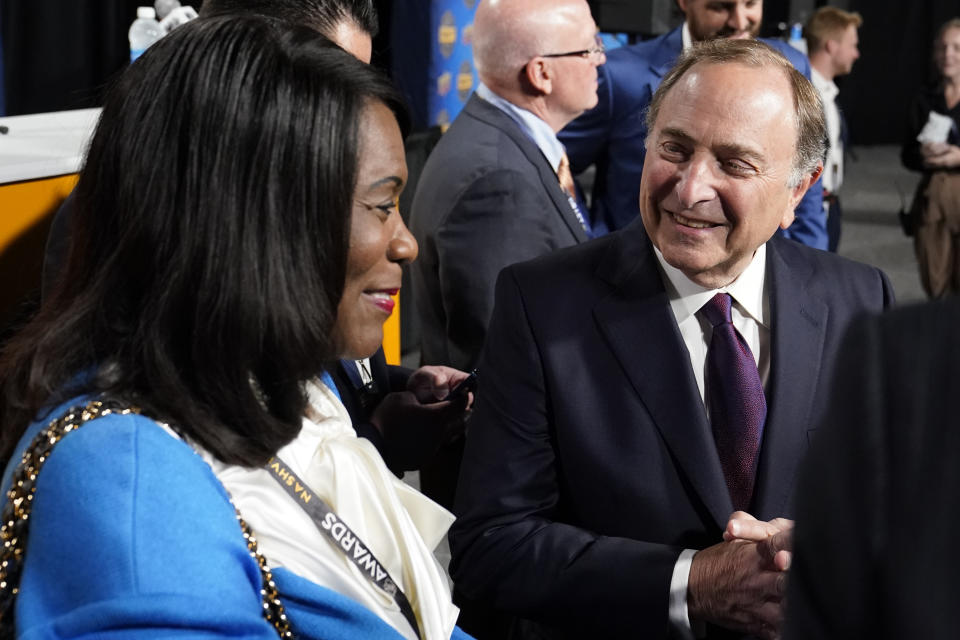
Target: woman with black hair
{"type": "Point", "coordinates": [179, 463]}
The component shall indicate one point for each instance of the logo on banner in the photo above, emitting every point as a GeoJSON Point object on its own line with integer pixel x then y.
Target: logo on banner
{"type": "Point", "coordinates": [470, 4]}
{"type": "Point", "coordinates": [465, 80]}
{"type": "Point", "coordinates": [444, 82]}
{"type": "Point", "coordinates": [468, 35]}
{"type": "Point", "coordinates": [443, 118]}
{"type": "Point", "coordinates": [447, 34]}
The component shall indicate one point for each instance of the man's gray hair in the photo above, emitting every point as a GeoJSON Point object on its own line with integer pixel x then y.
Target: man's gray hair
{"type": "Point", "coordinates": [808, 110]}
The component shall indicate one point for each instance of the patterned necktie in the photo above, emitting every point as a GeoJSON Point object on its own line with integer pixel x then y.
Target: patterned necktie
{"type": "Point", "coordinates": [738, 408]}
{"type": "Point", "coordinates": [565, 176]}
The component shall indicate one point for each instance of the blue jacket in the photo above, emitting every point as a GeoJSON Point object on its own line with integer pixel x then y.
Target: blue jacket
{"type": "Point", "coordinates": [132, 535]}
{"type": "Point", "coordinates": [613, 133]}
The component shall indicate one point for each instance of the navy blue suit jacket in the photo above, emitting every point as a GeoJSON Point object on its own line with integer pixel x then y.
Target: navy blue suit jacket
{"type": "Point", "coordinates": [590, 463]}
{"type": "Point", "coordinates": [612, 135]}
{"type": "Point", "coordinates": [487, 198]}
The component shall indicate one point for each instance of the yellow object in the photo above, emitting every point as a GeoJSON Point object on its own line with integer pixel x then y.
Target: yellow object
{"type": "Point", "coordinates": [27, 203]}
{"type": "Point", "coordinates": [391, 335]}
{"type": "Point", "coordinates": [26, 210]}
{"type": "Point", "coordinates": [38, 163]}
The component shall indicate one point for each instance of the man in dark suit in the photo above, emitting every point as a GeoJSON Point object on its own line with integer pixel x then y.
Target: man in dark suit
{"type": "Point", "coordinates": [879, 498]}
{"type": "Point", "coordinates": [612, 134]}
{"type": "Point", "coordinates": [490, 194]}
{"type": "Point", "coordinates": [620, 421]}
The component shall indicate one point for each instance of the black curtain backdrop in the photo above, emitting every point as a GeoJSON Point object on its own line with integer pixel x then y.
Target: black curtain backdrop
{"type": "Point", "coordinates": [59, 54]}
{"type": "Point", "coordinates": [896, 41]}
{"type": "Point", "coordinates": [775, 14]}
{"type": "Point", "coordinates": [3, 100]}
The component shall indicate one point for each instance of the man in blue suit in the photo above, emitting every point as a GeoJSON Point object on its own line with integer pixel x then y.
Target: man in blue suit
{"type": "Point", "coordinates": [611, 441]}
{"type": "Point", "coordinates": [613, 134]}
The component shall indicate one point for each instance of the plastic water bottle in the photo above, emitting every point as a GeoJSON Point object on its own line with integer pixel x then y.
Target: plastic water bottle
{"type": "Point", "coordinates": [144, 31]}
{"type": "Point", "coordinates": [796, 40]}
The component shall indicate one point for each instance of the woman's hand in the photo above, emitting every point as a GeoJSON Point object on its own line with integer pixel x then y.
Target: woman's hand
{"type": "Point", "coordinates": [940, 155]}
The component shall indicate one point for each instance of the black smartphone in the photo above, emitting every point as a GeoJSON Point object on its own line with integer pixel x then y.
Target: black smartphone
{"type": "Point", "coordinates": [467, 385]}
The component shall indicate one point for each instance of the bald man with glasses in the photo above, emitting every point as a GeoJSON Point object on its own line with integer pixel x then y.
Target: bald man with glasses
{"type": "Point", "coordinates": [497, 188]}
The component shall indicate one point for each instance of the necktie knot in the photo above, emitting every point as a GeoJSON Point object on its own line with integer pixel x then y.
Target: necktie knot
{"type": "Point", "coordinates": [717, 309]}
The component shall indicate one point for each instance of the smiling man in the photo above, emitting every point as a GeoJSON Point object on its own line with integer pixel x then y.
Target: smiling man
{"type": "Point", "coordinates": [644, 388]}
{"type": "Point", "coordinates": [612, 135]}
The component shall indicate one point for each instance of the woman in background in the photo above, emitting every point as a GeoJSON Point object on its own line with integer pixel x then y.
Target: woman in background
{"type": "Point", "coordinates": [236, 231]}
{"type": "Point", "coordinates": [933, 147]}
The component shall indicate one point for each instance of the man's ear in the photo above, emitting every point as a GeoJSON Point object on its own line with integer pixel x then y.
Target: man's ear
{"type": "Point", "coordinates": [539, 75]}
{"type": "Point", "coordinates": [796, 194]}
{"type": "Point", "coordinates": [831, 45]}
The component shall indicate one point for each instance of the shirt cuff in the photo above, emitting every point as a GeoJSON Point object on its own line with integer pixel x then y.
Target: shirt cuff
{"type": "Point", "coordinates": [679, 617]}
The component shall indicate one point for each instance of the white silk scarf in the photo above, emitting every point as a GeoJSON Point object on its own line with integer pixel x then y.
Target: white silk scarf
{"type": "Point", "coordinates": [398, 524]}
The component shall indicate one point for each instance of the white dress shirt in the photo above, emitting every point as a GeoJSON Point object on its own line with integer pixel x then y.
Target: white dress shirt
{"type": "Point", "coordinates": [751, 317]}
{"type": "Point", "coordinates": [685, 38]}
{"type": "Point", "coordinates": [833, 166]}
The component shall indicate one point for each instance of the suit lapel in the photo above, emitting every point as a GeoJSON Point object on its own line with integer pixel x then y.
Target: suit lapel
{"type": "Point", "coordinates": [642, 333]}
{"type": "Point", "coordinates": [666, 54]}
{"type": "Point", "coordinates": [798, 333]}
{"type": "Point", "coordinates": [486, 112]}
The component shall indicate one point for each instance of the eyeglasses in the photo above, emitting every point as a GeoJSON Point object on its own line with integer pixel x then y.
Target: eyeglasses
{"type": "Point", "coordinates": [583, 53]}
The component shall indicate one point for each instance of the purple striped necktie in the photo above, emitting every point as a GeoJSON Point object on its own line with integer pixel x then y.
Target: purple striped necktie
{"type": "Point", "coordinates": [738, 408]}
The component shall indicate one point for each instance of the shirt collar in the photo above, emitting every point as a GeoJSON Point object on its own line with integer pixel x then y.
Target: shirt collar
{"type": "Point", "coordinates": [685, 36]}
{"type": "Point", "coordinates": [827, 88]}
{"type": "Point", "coordinates": [532, 126]}
{"type": "Point", "coordinates": [686, 296]}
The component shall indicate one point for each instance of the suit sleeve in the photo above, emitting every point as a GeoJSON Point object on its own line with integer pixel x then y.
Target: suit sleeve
{"type": "Point", "coordinates": [500, 219]}
{"type": "Point", "coordinates": [398, 377]}
{"type": "Point", "coordinates": [585, 138]}
{"type": "Point", "coordinates": [612, 136]}
{"type": "Point", "coordinates": [510, 546]}
{"type": "Point", "coordinates": [810, 222]}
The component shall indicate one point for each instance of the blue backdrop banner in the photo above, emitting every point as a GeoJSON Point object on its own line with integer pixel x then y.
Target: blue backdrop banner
{"type": "Point", "coordinates": [433, 58]}
{"type": "Point", "coordinates": [452, 75]}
